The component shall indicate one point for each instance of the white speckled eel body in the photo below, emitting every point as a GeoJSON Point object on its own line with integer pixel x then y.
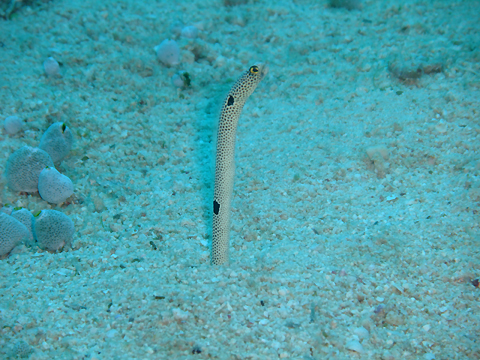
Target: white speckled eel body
{"type": "Point", "coordinates": [225, 160]}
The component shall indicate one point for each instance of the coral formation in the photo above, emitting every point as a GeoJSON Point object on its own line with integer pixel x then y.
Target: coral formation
{"type": "Point", "coordinates": [24, 167]}
{"type": "Point", "coordinates": [53, 186]}
{"type": "Point", "coordinates": [57, 141]}
{"type": "Point", "coordinates": [12, 233]}
{"type": "Point", "coordinates": [53, 230]}
{"type": "Point", "coordinates": [27, 219]}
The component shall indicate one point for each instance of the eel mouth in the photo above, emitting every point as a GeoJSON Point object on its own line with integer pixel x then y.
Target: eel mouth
{"type": "Point", "coordinates": [263, 67]}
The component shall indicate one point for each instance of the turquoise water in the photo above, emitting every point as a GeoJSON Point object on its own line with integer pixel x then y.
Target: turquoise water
{"type": "Point", "coordinates": [354, 225]}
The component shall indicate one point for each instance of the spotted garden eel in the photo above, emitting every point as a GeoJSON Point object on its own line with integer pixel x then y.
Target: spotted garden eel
{"type": "Point", "coordinates": [225, 160]}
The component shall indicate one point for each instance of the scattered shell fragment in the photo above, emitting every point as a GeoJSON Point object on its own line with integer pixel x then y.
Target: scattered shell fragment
{"type": "Point", "coordinates": [361, 332]}
{"type": "Point", "coordinates": [354, 345]}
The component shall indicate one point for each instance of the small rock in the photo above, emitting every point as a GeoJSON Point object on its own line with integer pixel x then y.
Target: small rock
{"type": "Point", "coordinates": [178, 314]}
{"type": "Point", "coordinates": [441, 127]}
{"type": "Point", "coordinates": [51, 67]}
{"type": "Point", "coordinates": [12, 125]}
{"type": "Point", "coordinates": [168, 52]}
{"type": "Point", "coordinates": [189, 32]}
{"type": "Point", "coordinates": [361, 332]}
{"type": "Point", "coordinates": [111, 333]}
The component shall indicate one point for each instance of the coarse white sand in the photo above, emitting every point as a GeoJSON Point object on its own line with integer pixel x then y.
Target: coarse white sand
{"type": "Point", "coordinates": [355, 220]}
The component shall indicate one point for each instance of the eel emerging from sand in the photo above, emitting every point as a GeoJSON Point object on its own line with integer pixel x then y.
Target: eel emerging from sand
{"type": "Point", "coordinates": [225, 160]}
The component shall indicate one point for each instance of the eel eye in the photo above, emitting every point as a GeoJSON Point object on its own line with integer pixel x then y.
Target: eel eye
{"type": "Point", "coordinates": [254, 69]}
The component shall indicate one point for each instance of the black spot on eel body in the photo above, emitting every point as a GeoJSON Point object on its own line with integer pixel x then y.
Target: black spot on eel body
{"type": "Point", "coordinates": [216, 207]}
{"type": "Point", "coordinates": [230, 100]}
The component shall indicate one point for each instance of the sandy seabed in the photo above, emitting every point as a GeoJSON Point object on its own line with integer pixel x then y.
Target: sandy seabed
{"type": "Point", "coordinates": [355, 219]}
